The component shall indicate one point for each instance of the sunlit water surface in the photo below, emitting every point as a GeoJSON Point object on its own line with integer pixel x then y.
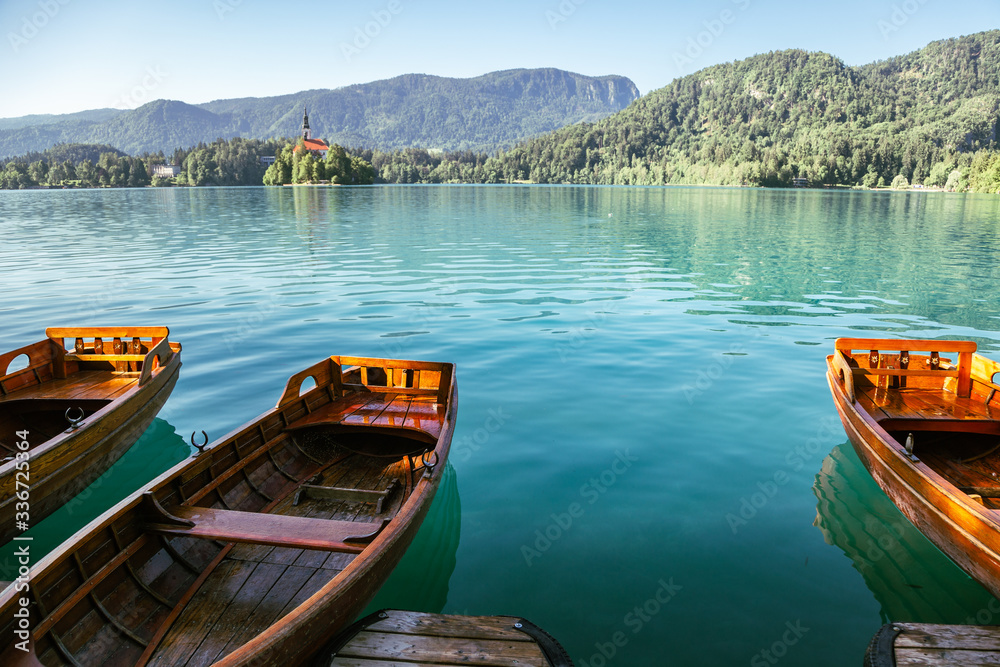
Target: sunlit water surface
{"type": "Point", "coordinates": [647, 461]}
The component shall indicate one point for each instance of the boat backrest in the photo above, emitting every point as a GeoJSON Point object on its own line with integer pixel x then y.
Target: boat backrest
{"type": "Point", "coordinates": [367, 374]}
{"type": "Point", "coordinates": [138, 349]}
{"type": "Point", "coordinates": [876, 348]}
{"type": "Point", "coordinates": [38, 368]}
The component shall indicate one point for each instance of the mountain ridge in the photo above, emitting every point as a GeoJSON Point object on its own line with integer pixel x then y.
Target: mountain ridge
{"type": "Point", "coordinates": [485, 113]}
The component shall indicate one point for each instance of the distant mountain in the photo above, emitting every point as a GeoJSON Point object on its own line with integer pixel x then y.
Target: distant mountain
{"type": "Point", "coordinates": [789, 114]}
{"type": "Point", "coordinates": [96, 115]}
{"type": "Point", "coordinates": [484, 113]}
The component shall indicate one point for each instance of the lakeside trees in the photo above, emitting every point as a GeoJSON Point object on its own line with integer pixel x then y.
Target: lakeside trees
{"type": "Point", "coordinates": [110, 170]}
{"type": "Point", "coordinates": [223, 162]}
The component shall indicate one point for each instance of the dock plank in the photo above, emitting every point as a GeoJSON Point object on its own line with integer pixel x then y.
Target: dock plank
{"type": "Point", "coordinates": [435, 650]}
{"type": "Point", "coordinates": [945, 658]}
{"type": "Point", "coordinates": [933, 635]}
{"type": "Point", "coordinates": [419, 623]}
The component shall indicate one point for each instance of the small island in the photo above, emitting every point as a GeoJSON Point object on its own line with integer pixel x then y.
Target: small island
{"type": "Point", "coordinates": [312, 161]}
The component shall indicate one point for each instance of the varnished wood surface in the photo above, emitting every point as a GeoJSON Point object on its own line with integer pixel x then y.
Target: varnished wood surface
{"type": "Point", "coordinates": [83, 385]}
{"type": "Point", "coordinates": [258, 579]}
{"type": "Point", "coordinates": [955, 445]}
{"type": "Point", "coordinates": [405, 638]}
{"type": "Point", "coordinates": [380, 410]}
{"type": "Point", "coordinates": [270, 529]}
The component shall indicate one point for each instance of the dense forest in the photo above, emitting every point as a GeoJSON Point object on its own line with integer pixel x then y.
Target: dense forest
{"type": "Point", "coordinates": [922, 118]}
{"type": "Point", "coordinates": [484, 113]}
{"type": "Point", "coordinates": [926, 119]}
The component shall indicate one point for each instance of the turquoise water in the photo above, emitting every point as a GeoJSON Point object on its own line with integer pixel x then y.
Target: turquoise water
{"type": "Point", "coordinates": [645, 434]}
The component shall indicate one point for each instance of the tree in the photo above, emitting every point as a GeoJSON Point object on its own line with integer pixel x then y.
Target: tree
{"type": "Point", "coordinates": [86, 173]}
{"type": "Point", "coordinates": [138, 176]}
{"type": "Point", "coordinates": [304, 168]}
{"type": "Point", "coordinates": [57, 174]}
{"type": "Point", "coordinates": [954, 178]}
{"type": "Point", "coordinates": [338, 165]}
{"type": "Point", "coordinates": [900, 183]}
{"type": "Point", "coordinates": [361, 172]}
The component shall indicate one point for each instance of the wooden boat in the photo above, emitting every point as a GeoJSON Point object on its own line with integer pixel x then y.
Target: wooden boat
{"type": "Point", "coordinates": [924, 428]}
{"type": "Point", "coordinates": [930, 645]}
{"type": "Point", "coordinates": [67, 416]}
{"type": "Point", "coordinates": [392, 638]}
{"type": "Point", "coordinates": [254, 551]}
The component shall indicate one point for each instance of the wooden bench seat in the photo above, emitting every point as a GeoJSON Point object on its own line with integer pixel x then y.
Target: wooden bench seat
{"type": "Point", "coordinates": [917, 403]}
{"type": "Point", "coordinates": [271, 529]}
{"type": "Point", "coordinates": [83, 385]}
{"type": "Point", "coordinates": [380, 410]}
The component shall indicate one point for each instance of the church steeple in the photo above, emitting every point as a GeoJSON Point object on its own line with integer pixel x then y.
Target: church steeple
{"type": "Point", "coordinates": [306, 132]}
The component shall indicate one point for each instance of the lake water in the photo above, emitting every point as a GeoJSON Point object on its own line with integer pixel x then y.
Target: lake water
{"type": "Point", "coordinates": [647, 461]}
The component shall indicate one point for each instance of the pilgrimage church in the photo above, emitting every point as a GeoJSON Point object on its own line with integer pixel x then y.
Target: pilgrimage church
{"type": "Point", "coordinates": [314, 146]}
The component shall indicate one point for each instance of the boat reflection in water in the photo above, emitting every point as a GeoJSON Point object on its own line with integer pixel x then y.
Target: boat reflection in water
{"type": "Point", "coordinates": [910, 578]}
{"type": "Point", "coordinates": [420, 581]}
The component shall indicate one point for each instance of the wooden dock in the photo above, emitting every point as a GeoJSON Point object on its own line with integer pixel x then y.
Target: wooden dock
{"type": "Point", "coordinates": [931, 645]}
{"type": "Point", "coordinates": [392, 638]}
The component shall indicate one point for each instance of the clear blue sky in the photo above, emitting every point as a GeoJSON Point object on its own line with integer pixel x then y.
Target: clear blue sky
{"type": "Point", "coordinates": [60, 56]}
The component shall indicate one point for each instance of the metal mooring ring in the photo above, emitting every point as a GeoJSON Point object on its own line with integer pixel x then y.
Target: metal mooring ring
{"type": "Point", "coordinates": [194, 444]}
{"type": "Point", "coordinates": [428, 464]}
{"type": "Point", "coordinates": [74, 422]}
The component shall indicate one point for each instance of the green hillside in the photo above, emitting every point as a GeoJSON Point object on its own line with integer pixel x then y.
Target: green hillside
{"type": "Point", "coordinates": [786, 114]}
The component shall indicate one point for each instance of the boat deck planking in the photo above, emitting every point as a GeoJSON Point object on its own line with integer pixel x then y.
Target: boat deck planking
{"type": "Point", "coordinates": [249, 592]}
{"type": "Point", "coordinates": [382, 410]}
{"type": "Point", "coordinates": [82, 385]}
{"type": "Point", "coordinates": [919, 403]}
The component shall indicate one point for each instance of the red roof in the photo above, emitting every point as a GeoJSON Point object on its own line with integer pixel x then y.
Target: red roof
{"type": "Point", "coordinates": [314, 145]}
